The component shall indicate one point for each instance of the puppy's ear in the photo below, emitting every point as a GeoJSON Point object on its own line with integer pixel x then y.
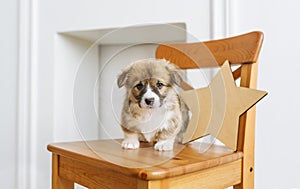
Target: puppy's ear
{"type": "Point", "coordinates": [175, 74]}
{"type": "Point", "coordinates": [122, 78]}
{"type": "Point", "coordinates": [176, 77]}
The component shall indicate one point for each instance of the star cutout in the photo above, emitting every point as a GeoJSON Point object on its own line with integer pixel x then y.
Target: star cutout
{"type": "Point", "coordinates": [216, 109]}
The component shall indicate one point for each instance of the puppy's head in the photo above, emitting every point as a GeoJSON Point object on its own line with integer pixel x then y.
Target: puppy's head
{"type": "Point", "coordinates": [148, 82]}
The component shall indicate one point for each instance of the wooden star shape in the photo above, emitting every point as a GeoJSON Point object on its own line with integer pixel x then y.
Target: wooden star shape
{"type": "Point", "coordinates": [216, 109]}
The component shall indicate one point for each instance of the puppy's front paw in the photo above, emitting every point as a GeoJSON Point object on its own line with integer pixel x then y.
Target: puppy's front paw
{"type": "Point", "coordinates": [130, 143]}
{"type": "Point", "coordinates": [164, 145]}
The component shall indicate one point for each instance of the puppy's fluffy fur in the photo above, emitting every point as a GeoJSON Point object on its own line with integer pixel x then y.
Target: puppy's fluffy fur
{"type": "Point", "coordinates": [153, 110]}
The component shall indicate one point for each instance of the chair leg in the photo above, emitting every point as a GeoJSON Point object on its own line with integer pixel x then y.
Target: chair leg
{"type": "Point", "coordinates": [58, 182]}
{"type": "Point", "coordinates": [157, 184]}
{"type": "Point", "coordinates": [247, 181]}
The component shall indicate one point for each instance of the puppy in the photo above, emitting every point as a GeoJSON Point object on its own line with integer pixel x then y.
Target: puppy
{"type": "Point", "coordinates": [153, 110]}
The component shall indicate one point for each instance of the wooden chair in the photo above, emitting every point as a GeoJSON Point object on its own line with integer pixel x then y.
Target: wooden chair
{"type": "Point", "coordinates": [219, 167]}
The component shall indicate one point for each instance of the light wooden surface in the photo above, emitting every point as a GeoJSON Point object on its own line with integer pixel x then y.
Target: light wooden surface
{"type": "Point", "coordinates": [217, 177]}
{"type": "Point", "coordinates": [221, 176]}
{"type": "Point", "coordinates": [105, 163]}
{"type": "Point", "coordinates": [216, 109]}
{"type": "Point", "coordinates": [246, 140]}
{"type": "Point", "coordinates": [57, 181]}
{"type": "Point", "coordinates": [238, 50]}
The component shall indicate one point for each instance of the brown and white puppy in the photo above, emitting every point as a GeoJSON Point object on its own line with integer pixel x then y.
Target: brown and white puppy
{"type": "Point", "coordinates": [153, 110]}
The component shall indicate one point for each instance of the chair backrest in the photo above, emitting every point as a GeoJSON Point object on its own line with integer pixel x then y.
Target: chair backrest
{"type": "Point", "coordinates": [241, 50]}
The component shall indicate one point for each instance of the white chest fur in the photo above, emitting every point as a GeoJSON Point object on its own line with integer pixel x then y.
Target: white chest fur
{"type": "Point", "coordinates": [150, 121]}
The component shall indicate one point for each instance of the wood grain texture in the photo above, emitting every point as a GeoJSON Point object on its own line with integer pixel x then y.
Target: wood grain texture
{"type": "Point", "coordinates": [246, 140]}
{"type": "Point", "coordinates": [187, 160]}
{"type": "Point", "coordinates": [92, 176]}
{"type": "Point", "coordinates": [238, 50]}
{"type": "Point", "coordinates": [237, 73]}
{"type": "Point", "coordinates": [217, 177]}
{"type": "Point", "coordinates": [57, 181]}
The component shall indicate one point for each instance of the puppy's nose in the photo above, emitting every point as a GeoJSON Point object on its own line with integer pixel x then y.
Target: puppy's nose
{"type": "Point", "coordinates": [149, 101]}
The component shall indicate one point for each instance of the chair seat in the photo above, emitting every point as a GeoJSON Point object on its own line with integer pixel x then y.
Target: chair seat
{"type": "Point", "coordinates": [104, 164]}
{"type": "Point", "coordinates": [144, 163]}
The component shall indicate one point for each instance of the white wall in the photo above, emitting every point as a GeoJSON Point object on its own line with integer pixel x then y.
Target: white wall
{"type": "Point", "coordinates": [55, 16]}
{"type": "Point", "coordinates": [8, 92]}
{"type": "Point", "coordinates": [28, 126]}
{"type": "Point", "coordinates": [278, 123]}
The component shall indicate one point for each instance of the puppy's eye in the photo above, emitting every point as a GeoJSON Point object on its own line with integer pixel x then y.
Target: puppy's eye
{"type": "Point", "coordinates": [139, 86]}
{"type": "Point", "coordinates": [159, 85]}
